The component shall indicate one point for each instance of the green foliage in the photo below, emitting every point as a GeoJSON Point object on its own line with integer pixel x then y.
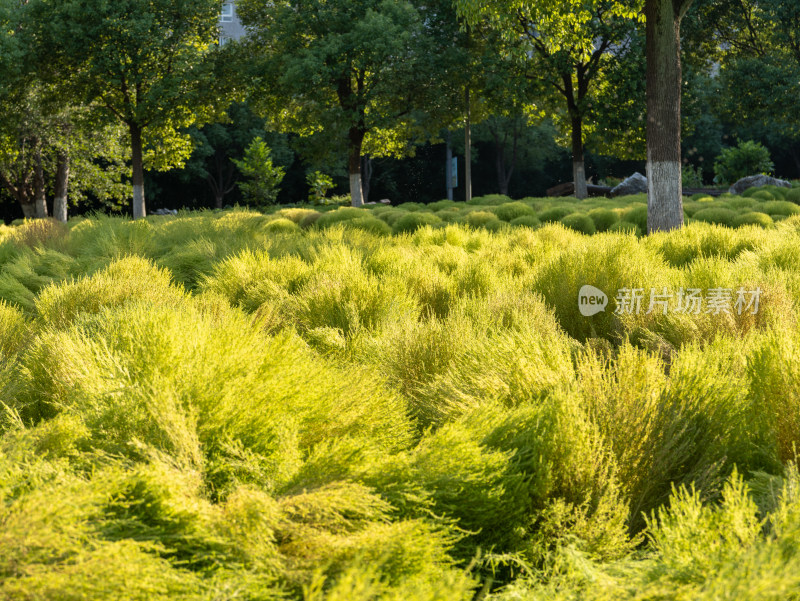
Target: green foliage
{"type": "Point", "coordinates": [691, 177]}
{"type": "Point", "coordinates": [752, 218]}
{"type": "Point", "coordinates": [318, 184]}
{"type": "Point", "coordinates": [491, 200]}
{"type": "Point", "coordinates": [793, 195]}
{"type": "Point", "coordinates": [780, 207]}
{"type": "Point", "coordinates": [202, 406]}
{"type": "Point", "coordinates": [410, 222]}
{"type": "Point", "coordinates": [719, 216]}
{"type": "Point", "coordinates": [603, 218]}
{"type": "Point", "coordinates": [555, 214]}
{"type": "Point", "coordinates": [528, 221]}
{"type": "Point", "coordinates": [116, 58]}
{"type": "Point", "coordinates": [626, 227]}
{"type": "Point", "coordinates": [481, 218]}
{"type": "Point", "coordinates": [637, 215]}
{"type": "Point", "coordinates": [579, 223]}
{"type": "Point", "coordinates": [512, 210]}
{"type": "Point", "coordinates": [281, 226]}
{"type": "Point", "coordinates": [264, 177]}
{"type": "Point", "coordinates": [747, 158]}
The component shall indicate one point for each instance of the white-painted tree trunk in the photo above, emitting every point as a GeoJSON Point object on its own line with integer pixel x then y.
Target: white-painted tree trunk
{"type": "Point", "coordinates": [356, 194]}
{"type": "Point", "coordinates": [664, 195]}
{"type": "Point", "coordinates": [138, 202]}
{"type": "Point", "coordinates": [62, 188]}
{"type": "Point", "coordinates": [60, 208]}
{"type": "Point", "coordinates": [579, 177]}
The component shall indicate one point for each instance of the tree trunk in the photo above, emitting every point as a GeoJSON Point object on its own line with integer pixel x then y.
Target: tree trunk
{"type": "Point", "coordinates": [366, 177]}
{"type": "Point", "coordinates": [39, 198]}
{"type": "Point", "coordinates": [218, 198]}
{"type": "Point", "coordinates": [578, 169]}
{"type": "Point", "coordinates": [468, 150]}
{"type": "Point", "coordinates": [664, 199]}
{"type": "Point", "coordinates": [137, 161]}
{"type": "Point", "coordinates": [448, 166]}
{"type": "Point", "coordinates": [356, 137]}
{"type": "Point", "coordinates": [28, 208]}
{"type": "Point", "coordinates": [62, 186]}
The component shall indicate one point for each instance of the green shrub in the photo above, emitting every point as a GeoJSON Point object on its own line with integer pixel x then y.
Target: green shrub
{"type": "Point", "coordinates": [491, 200]}
{"type": "Point", "coordinates": [411, 206]}
{"type": "Point", "coordinates": [778, 192]}
{"type": "Point", "coordinates": [449, 215]}
{"type": "Point", "coordinates": [340, 215]}
{"type": "Point", "coordinates": [793, 195]}
{"type": "Point", "coordinates": [691, 207]}
{"type": "Point", "coordinates": [609, 263]}
{"type": "Point", "coordinates": [370, 224]}
{"type": "Point", "coordinates": [480, 218]}
{"type": "Point", "coordinates": [761, 194]}
{"type": "Point", "coordinates": [443, 204]}
{"type": "Point", "coordinates": [392, 216]}
{"type": "Point", "coordinates": [263, 178]}
{"type": "Point", "coordinates": [779, 207]}
{"type": "Point", "coordinates": [411, 222]}
{"type": "Point", "coordinates": [512, 210]}
{"type": "Point", "coordinates": [579, 223]}
{"type": "Point", "coordinates": [555, 214]}
{"type": "Point", "coordinates": [318, 186]}
{"type": "Point", "coordinates": [603, 218]}
{"type": "Point", "coordinates": [718, 216]}
{"type": "Point", "coordinates": [146, 379]}
{"type": "Point", "coordinates": [282, 226]}
{"type": "Point", "coordinates": [748, 158]}
{"type": "Point", "coordinates": [530, 221]}
{"type": "Point", "coordinates": [691, 176]}
{"type": "Point", "coordinates": [742, 203]}
{"type": "Point", "coordinates": [637, 215]}
{"type": "Point", "coordinates": [130, 279]}
{"type": "Point", "coordinates": [753, 218]}
{"type": "Point", "coordinates": [299, 216]}
{"type": "Point", "coordinates": [626, 227]}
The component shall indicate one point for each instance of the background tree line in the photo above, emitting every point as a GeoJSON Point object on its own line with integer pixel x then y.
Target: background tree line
{"type": "Point", "coordinates": [104, 103]}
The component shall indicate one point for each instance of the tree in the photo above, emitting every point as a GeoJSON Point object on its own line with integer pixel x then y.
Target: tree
{"type": "Point", "coordinates": [664, 188]}
{"type": "Point", "coordinates": [263, 178]}
{"type": "Point", "coordinates": [758, 55]}
{"type": "Point", "coordinates": [352, 73]}
{"type": "Point", "coordinates": [216, 145]}
{"type": "Point", "coordinates": [566, 47]}
{"type": "Point", "coordinates": [142, 62]}
{"type": "Point", "coordinates": [46, 139]}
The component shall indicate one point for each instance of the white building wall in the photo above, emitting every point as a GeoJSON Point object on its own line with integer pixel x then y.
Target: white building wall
{"type": "Point", "coordinates": [230, 27]}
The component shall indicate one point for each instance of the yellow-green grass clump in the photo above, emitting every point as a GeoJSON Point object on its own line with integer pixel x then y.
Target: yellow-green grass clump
{"type": "Point", "coordinates": [224, 405]}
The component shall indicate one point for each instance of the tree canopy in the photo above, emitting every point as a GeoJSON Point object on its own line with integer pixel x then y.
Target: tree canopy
{"type": "Point", "coordinates": [368, 75]}
{"type": "Point", "coordinates": [143, 63]}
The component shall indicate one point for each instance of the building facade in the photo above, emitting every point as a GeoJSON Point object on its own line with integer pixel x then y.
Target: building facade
{"type": "Point", "coordinates": [230, 27]}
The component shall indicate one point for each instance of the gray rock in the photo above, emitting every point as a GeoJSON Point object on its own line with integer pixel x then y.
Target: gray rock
{"type": "Point", "coordinates": [754, 181]}
{"type": "Point", "coordinates": [635, 184]}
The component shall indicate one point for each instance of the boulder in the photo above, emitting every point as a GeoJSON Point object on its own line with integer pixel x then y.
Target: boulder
{"type": "Point", "coordinates": [635, 184]}
{"type": "Point", "coordinates": [754, 181]}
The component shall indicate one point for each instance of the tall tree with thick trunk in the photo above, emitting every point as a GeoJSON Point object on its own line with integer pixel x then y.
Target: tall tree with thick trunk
{"type": "Point", "coordinates": [143, 63]}
{"type": "Point", "coordinates": [566, 47]}
{"type": "Point", "coordinates": [364, 77]}
{"type": "Point", "coordinates": [62, 187]}
{"type": "Point", "coordinates": [664, 193]}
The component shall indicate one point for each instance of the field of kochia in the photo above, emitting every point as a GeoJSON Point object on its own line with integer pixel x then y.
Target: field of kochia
{"type": "Point", "coordinates": [232, 406]}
